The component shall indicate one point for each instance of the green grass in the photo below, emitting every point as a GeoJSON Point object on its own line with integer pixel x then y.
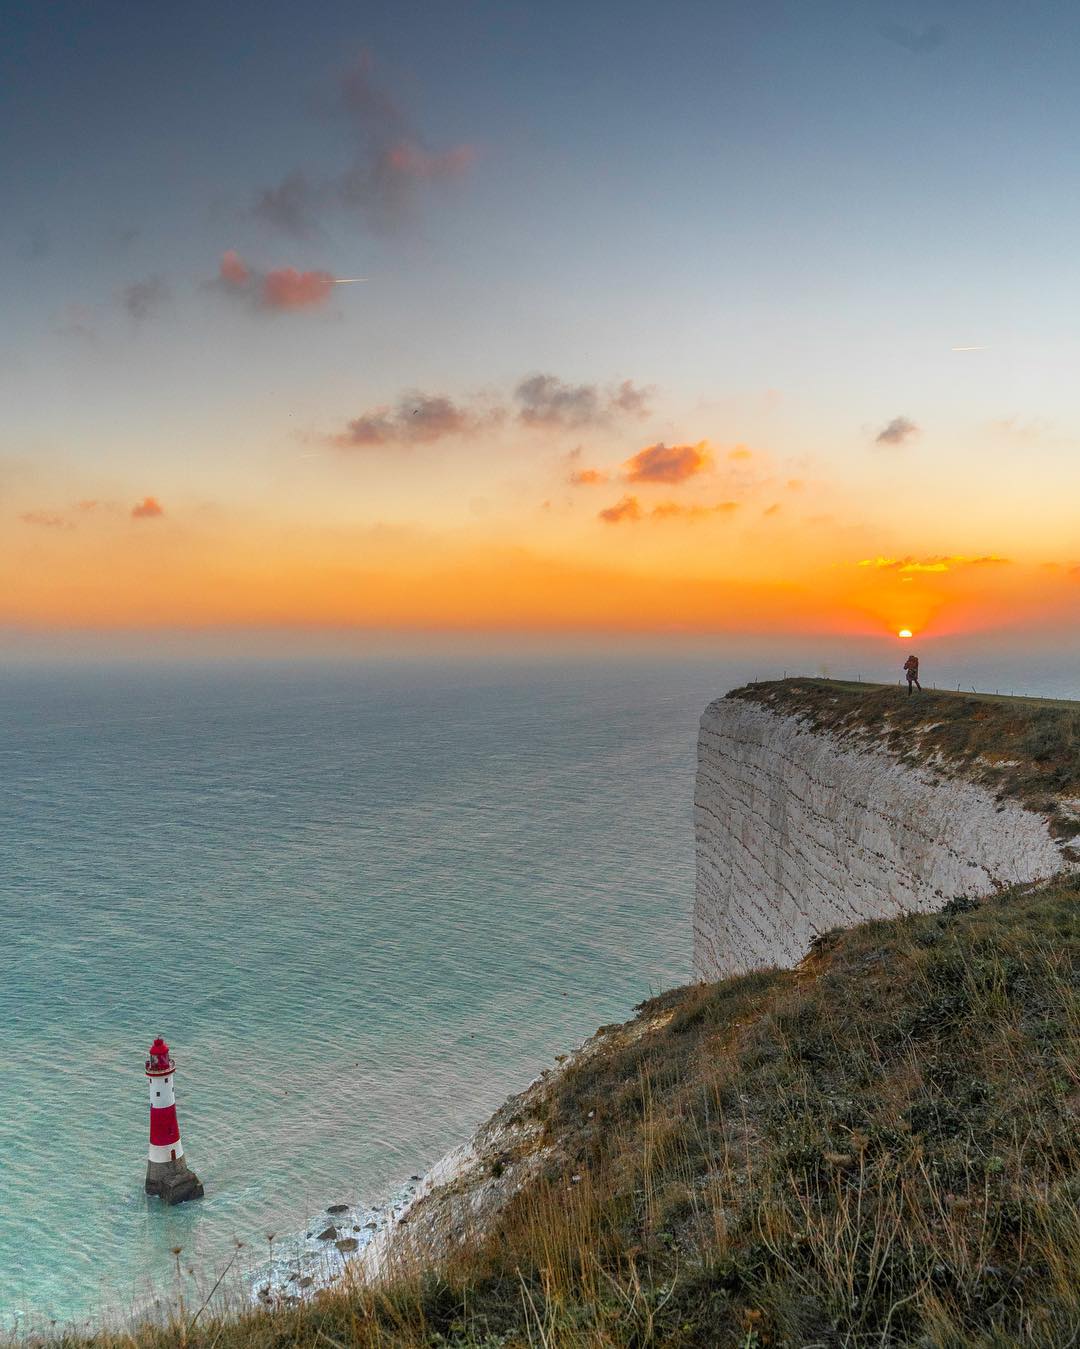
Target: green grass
{"type": "Point", "coordinates": [1026, 749]}
{"type": "Point", "coordinates": [878, 1148]}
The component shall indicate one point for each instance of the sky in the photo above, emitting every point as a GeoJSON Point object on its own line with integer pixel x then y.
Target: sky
{"type": "Point", "coordinates": [540, 317]}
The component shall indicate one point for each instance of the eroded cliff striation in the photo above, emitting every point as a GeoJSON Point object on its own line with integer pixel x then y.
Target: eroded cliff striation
{"type": "Point", "coordinates": [820, 805]}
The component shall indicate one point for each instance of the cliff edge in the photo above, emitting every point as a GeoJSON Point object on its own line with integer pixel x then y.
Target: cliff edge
{"type": "Point", "coordinates": [821, 804]}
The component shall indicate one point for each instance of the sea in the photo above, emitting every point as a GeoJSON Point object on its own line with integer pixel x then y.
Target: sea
{"type": "Point", "coordinates": [364, 900]}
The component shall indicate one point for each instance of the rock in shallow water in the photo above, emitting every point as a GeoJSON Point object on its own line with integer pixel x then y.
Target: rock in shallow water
{"type": "Point", "coordinates": [347, 1244]}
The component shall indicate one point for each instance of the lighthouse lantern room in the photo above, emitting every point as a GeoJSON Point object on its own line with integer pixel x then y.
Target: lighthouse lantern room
{"type": "Point", "coordinates": [167, 1172]}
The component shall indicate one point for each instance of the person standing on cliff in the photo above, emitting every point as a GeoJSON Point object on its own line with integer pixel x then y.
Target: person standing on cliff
{"type": "Point", "coordinates": [911, 669]}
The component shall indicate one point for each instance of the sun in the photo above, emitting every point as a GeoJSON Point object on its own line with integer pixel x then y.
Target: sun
{"type": "Point", "coordinates": [904, 632]}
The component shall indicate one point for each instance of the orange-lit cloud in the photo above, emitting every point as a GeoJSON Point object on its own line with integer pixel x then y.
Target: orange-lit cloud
{"type": "Point", "coordinates": [588, 477]}
{"type": "Point", "coordinates": [931, 564]}
{"type": "Point", "coordinates": [281, 290]}
{"type": "Point", "coordinates": [667, 463]}
{"type": "Point", "coordinates": [669, 510]}
{"type": "Point", "coordinates": [740, 452]}
{"type": "Point", "coordinates": [149, 508]}
{"type": "Point", "coordinates": [629, 508]}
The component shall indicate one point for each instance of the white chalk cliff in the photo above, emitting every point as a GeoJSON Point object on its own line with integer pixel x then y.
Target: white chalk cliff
{"type": "Point", "coordinates": [801, 830]}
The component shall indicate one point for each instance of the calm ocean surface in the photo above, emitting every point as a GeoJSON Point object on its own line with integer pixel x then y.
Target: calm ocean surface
{"type": "Point", "coordinates": [363, 904]}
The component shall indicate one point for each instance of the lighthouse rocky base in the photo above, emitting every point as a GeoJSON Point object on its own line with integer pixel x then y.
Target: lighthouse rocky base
{"type": "Point", "coordinates": [173, 1181]}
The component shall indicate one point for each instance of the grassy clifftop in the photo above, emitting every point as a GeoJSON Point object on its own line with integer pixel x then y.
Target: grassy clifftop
{"type": "Point", "coordinates": [1024, 748]}
{"type": "Point", "coordinates": [881, 1147]}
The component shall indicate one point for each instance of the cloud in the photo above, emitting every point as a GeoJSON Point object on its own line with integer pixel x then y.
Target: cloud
{"type": "Point", "coordinates": [390, 163]}
{"type": "Point", "coordinates": [774, 509]}
{"type": "Point", "coordinates": [631, 400]}
{"type": "Point", "coordinates": [149, 508]}
{"type": "Point", "coordinates": [539, 401]}
{"type": "Point", "coordinates": [46, 520]}
{"type": "Point", "coordinates": [740, 452]}
{"type": "Point", "coordinates": [588, 477]}
{"type": "Point", "coordinates": [286, 288]}
{"type": "Point", "coordinates": [280, 290]}
{"type": "Point", "coordinates": [896, 432]}
{"type": "Point", "coordinates": [939, 563]}
{"type": "Point", "coordinates": [668, 510]}
{"type": "Point", "coordinates": [418, 419]}
{"type": "Point", "coordinates": [144, 299]}
{"type": "Point", "coordinates": [290, 206]}
{"type": "Point", "coordinates": [547, 402]}
{"type": "Point", "coordinates": [917, 40]}
{"type": "Point", "coordinates": [667, 463]}
{"type": "Point", "coordinates": [629, 508]}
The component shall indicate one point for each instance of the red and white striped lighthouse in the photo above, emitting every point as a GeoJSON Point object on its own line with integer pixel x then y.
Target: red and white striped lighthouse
{"type": "Point", "coordinates": [167, 1173]}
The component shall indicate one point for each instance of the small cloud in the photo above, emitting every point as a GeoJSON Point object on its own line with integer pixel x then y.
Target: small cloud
{"type": "Point", "coordinates": [588, 477]}
{"type": "Point", "coordinates": [144, 299]}
{"type": "Point", "coordinates": [631, 400]}
{"type": "Point", "coordinates": [629, 508]}
{"type": "Point", "coordinates": [418, 419]}
{"type": "Point", "coordinates": [149, 508]}
{"type": "Point", "coordinates": [920, 41]}
{"type": "Point", "coordinates": [45, 520]}
{"type": "Point", "coordinates": [667, 510]}
{"type": "Point", "coordinates": [291, 206]}
{"type": "Point", "coordinates": [87, 506]}
{"type": "Point", "coordinates": [774, 509]}
{"type": "Point", "coordinates": [938, 563]}
{"type": "Point", "coordinates": [390, 163]}
{"type": "Point", "coordinates": [233, 270]}
{"type": "Point", "coordinates": [667, 463]}
{"type": "Point", "coordinates": [740, 452]}
{"type": "Point", "coordinates": [547, 402]}
{"type": "Point", "coordinates": [896, 432]}
{"type": "Point", "coordinates": [795, 484]}
{"type": "Point", "coordinates": [286, 288]}
{"type": "Point", "coordinates": [280, 290]}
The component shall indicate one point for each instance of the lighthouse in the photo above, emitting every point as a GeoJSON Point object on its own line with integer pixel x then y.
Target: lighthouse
{"type": "Point", "coordinates": [167, 1173]}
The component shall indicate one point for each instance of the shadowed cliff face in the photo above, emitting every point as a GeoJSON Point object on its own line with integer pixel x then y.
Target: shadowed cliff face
{"type": "Point", "coordinates": [820, 805]}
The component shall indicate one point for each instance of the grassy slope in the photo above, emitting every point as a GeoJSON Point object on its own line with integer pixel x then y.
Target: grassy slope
{"type": "Point", "coordinates": [880, 1147]}
{"type": "Point", "coordinates": [1024, 748]}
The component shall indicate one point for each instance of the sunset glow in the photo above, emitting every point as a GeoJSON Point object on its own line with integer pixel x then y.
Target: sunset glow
{"type": "Point", "coordinates": [208, 424]}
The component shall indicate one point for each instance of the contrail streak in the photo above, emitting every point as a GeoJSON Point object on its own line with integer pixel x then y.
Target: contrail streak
{"type": "Point", "coordinates": [970, 348]}
{"type": "Point", "coordinates": [348, 280]}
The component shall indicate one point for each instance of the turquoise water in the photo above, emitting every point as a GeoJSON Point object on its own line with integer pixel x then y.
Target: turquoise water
{"type": "Point", "coordinates": [363, 904]}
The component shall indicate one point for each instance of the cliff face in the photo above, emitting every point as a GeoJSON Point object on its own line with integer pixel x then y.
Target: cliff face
{"type": "Point", "coordinates": [802, 827]}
